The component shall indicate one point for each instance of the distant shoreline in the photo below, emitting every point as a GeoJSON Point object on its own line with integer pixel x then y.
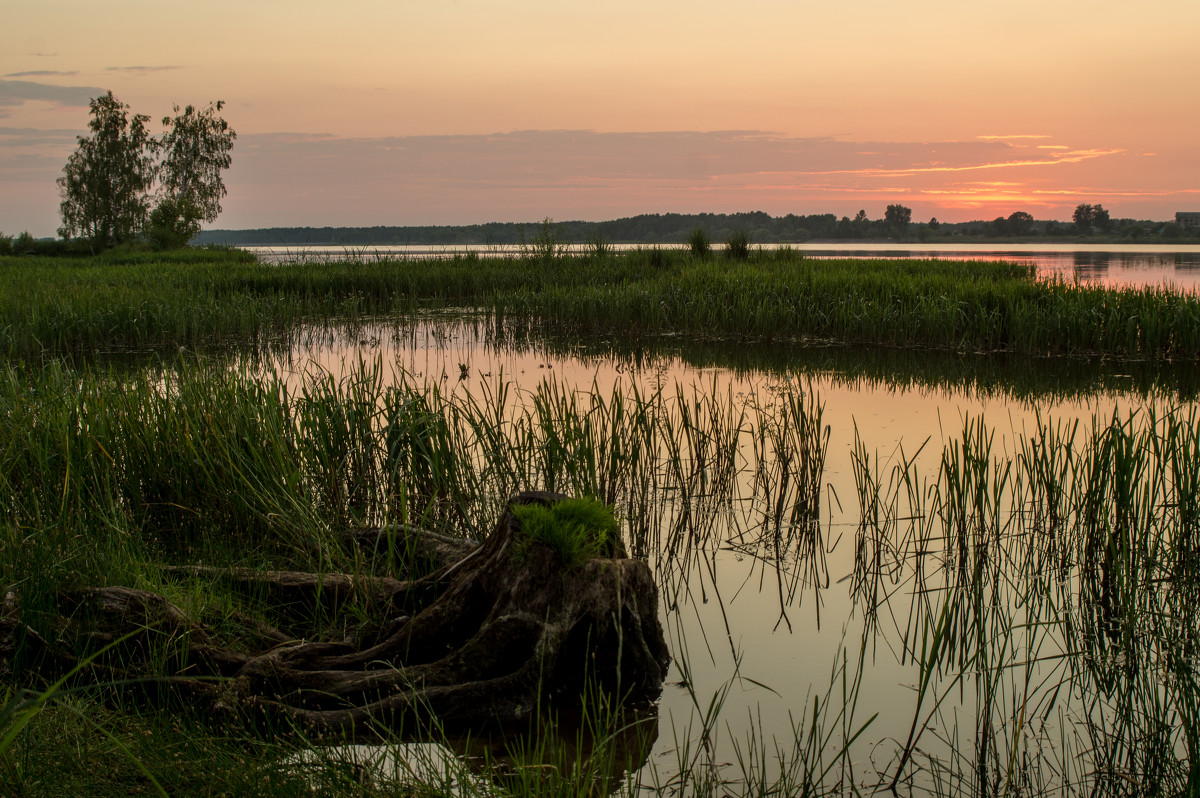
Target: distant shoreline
{"type": "Point", "coordinates": [848, 243]}
{"type": "Point", "coordinates": [666, 229]}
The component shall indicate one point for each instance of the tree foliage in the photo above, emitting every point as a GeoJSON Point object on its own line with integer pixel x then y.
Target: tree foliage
{"type": "Point", "coordinates": [106, 181]}
{"type": "Point", "coordinates": [108, 185]}
{"type": "Point", "coordinates": [898, 217]}
{"type": "Point", "coordinates": [195, 150]}
{"type": "Point", "coordinates": [1087, 217]}
{"type": "Point", "coordinates": [1019, 223]}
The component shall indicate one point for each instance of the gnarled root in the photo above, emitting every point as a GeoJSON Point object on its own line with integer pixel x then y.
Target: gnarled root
{"type": "Point", "coordinates": [486, 637]}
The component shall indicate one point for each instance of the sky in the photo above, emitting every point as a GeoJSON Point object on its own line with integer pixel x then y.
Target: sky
{"type": "Point", "coordinates": [390, 112]}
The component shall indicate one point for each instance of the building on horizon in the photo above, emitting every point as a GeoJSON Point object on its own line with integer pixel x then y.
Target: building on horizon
{"type": "Point", "coordinates": [1188, 219]}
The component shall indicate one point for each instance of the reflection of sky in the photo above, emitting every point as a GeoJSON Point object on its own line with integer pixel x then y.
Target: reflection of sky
{"type": "Point", "coordinates": [730, 614]}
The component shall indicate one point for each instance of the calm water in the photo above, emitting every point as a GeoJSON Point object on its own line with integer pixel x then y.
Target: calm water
{"type": "Point", "coordinates": [1106, 264]}
{"type": "Point", "coordinates": [767, 628]}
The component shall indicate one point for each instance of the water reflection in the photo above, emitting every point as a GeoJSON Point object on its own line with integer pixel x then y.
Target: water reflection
{"type": "Point", "coordinates": [437, 347]}
{"type": "Point", "coordinates": [956, 535]}
{"type": "Point", "coordinates": [596, 755]}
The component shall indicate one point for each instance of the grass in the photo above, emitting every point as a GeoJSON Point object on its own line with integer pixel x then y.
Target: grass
{"type": "Point", "coordinates": [1059, 613]}
{"type": "Point", "coordinates": [105, 476]}
{"type": "Point", "coordinates": [56, 306]}
{"type": "Point", "coordinates": [1041, 592]}
{"type": "Point", "coordinates": [576, 529]}
{"type": "Point", "coordinates": [1044, 584]}
{"type": "Point", "coordinates": [737, 246]}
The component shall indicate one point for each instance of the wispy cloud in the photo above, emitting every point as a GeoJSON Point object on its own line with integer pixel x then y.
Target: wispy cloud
{"type": "Point", "coordinates": [528, 174]}
{"type": "Point", "coordinates": [40, 73]}
{"type": "Point", "coordinates": [1070, 157]}
{"type": "Point", "coordinates": [317, 179]}
{"type": "Point", "coordinates": [16, 92]}
{"type": "Point", "coordinates": [141, 70]}
{"type": "Point", "coordinates": [1014, 136]}
{"type": "Point", "coordinates": [555, 156]}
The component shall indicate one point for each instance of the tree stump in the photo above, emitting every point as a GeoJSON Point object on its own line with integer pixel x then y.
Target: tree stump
{"type": "Point", "coordinates": [502, 627]}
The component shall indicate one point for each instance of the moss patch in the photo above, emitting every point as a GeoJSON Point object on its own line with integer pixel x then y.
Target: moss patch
{"type": "Point", "coordinates": [575, 529]}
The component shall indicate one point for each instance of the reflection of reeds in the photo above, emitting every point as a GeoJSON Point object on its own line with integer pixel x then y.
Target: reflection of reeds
{"type": "Point", "coordinates": [1064, 605]}
{"type": "Point", "coordinates": [1046, 598]}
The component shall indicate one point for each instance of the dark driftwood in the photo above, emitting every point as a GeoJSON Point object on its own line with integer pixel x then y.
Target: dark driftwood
{"type": "Point", "coordinates": [485, 637]}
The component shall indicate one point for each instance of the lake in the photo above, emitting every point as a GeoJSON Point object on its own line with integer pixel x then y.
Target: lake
{"type": "Point", "coordinates": [769, 614]}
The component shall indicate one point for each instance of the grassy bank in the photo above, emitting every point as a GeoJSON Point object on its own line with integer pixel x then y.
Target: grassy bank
{"type": "Point", "coordinates": [105, 479]}
{"type": "Point", "coordinates": [199, 299]}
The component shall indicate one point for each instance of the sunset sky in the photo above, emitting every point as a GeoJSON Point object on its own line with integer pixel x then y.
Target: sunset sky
{"type": "Point", "coordinates": [367, 112]}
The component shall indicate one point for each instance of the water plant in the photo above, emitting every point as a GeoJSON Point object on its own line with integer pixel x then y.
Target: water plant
{"type": "Point", "coordinates": [598, 246]}
{"type": "Point", "coordinates": [737, 245]}
{"type": "Point", "coordinates": [1037, 591]}
{"type": "Point", "coordinates": [133, 301]}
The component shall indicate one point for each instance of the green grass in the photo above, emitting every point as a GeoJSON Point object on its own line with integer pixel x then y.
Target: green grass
{"type": "Point", "coordinates": [1059, 572]}
{"type": "Point", "coordinates": [1044, 595]}
{"type": "Point", "coordinates": [575, 529]}
{"type": "Point", "coordinates": [737, 246]}
{"type": "Point", "coordinates": [210, 298]}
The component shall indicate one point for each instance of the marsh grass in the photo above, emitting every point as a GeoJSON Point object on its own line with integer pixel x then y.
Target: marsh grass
{"type": "Point", "coordinates": [737, 245]}
{"type": "Point", "coordinates": [1057, 577]}
{"type": "Point", "coordinates": [66, 306]}
{"type": "Point", "coordinates": [1044, 596]}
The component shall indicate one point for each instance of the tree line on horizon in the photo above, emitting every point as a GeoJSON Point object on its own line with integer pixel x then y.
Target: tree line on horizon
{"type": "Point", "coordinates": [674, 228]}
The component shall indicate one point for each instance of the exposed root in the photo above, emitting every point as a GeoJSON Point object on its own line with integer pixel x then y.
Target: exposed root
{"type": "Point", "coordinates": [486, 637]}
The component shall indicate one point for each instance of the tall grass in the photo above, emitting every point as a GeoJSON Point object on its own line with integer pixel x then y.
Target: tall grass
{"type": "Point", "coordinates": [737, 246]}
{"type": "Point", "coordinates": [1054, 615]}
{"type": "Point", "coordinates": [1044, 596]}
{"type": "Point", "coordinates": [105, 475]}
{"type": "Point", "coordinates": [80, 306]}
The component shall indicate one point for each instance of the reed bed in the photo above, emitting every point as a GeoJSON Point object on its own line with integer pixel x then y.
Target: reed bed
{"type": "Point", "coordinates": [1042, 595]}
{"type": "Point", "coordinates": [106, 476]}
{"type": "Point", "coordinates": [1048, 596]}
{"type": "Point", "coordinates": [205, 299]}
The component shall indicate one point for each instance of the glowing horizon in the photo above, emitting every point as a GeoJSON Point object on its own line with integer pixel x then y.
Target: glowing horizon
{"type": "Point", "coordinates": [377, 113]}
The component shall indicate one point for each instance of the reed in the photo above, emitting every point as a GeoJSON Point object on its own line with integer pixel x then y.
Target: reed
{"type": "Point", "coordinates": [1057, 583]}
{"type": "Point", "coordinates": [737, 246]}
{"type": "Point", "coordinates": [1050, 590]}
{"type": "Point", "coordinates": [213, 299]}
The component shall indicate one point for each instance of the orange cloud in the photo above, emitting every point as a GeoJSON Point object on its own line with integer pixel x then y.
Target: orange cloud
{"type": "Point", "coordinates": [1014, 136]}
